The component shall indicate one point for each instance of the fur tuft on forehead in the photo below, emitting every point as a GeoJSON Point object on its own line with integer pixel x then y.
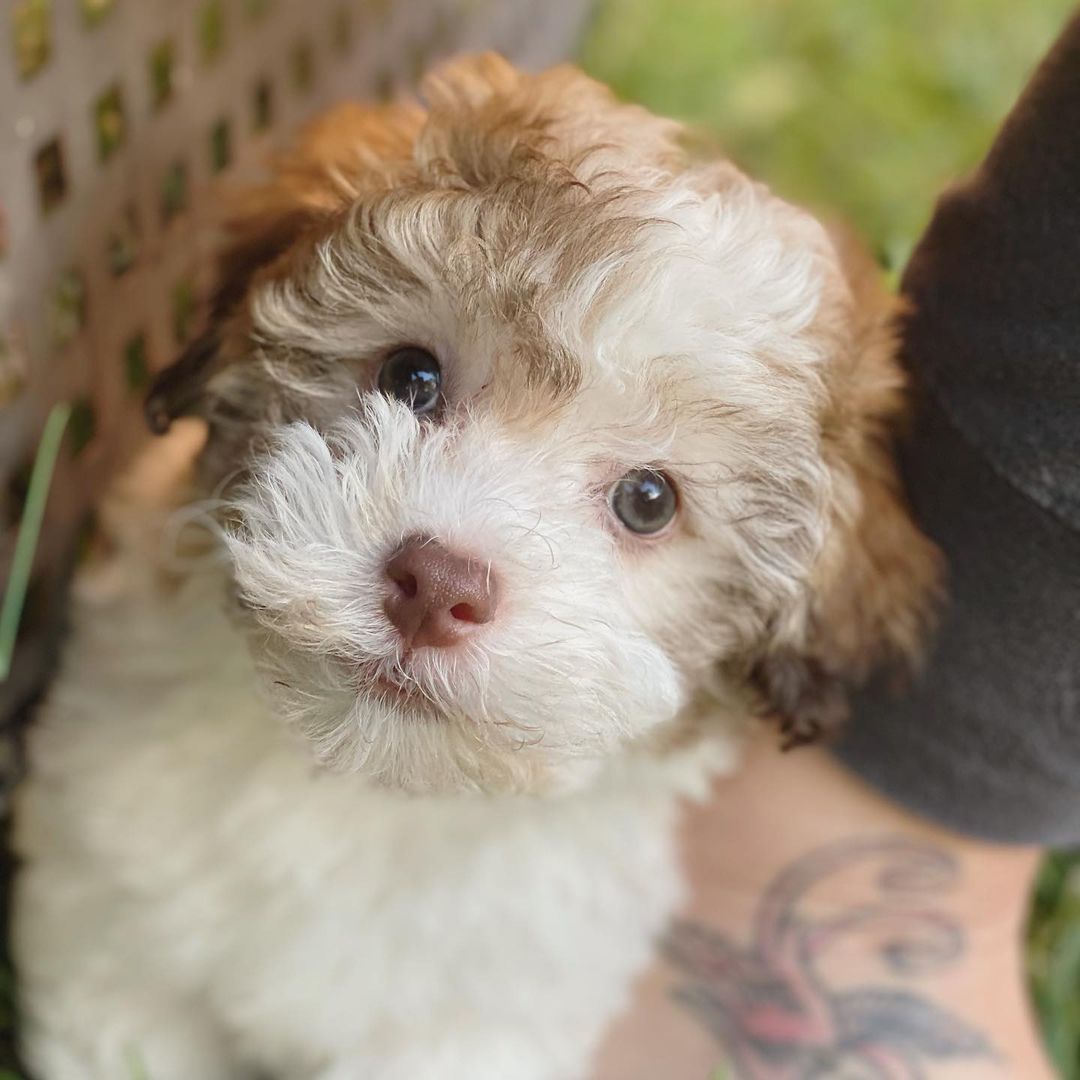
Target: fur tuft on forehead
{"type": "Point", "coordinates": [488, 121]}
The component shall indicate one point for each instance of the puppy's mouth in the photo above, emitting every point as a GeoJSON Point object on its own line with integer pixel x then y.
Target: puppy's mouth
{"type": "Point", "coordinates": [397, 688]}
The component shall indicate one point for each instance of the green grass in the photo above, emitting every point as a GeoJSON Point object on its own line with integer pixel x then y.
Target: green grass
{"type": "Point", "coordinates": [865, 109]}
{"type": "Point", "coordinates": [1054, 959]}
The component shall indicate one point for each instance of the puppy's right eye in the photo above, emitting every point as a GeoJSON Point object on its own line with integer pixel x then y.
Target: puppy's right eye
{"type": "Point", "coordinates": [412, 375]}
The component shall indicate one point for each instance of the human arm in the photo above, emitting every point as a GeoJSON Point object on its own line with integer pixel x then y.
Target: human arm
{"type": "Point", "coordinates": [829, 933]}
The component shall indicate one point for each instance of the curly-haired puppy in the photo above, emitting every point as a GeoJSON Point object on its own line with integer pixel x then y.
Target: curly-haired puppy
{"type": "Point", "coordinates": [542, 457]}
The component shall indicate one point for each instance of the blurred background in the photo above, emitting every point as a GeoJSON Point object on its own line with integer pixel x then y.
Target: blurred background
{"type": "Point", "coordinates": [121, 119]}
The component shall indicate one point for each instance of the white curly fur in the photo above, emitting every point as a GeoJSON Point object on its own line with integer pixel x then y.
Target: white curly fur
{"type": "Point", "coordinates": [564, 680]}
{"type": "Point", "coordinates": [462, 887]}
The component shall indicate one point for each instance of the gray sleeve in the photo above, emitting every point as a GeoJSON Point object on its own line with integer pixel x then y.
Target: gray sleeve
{"type": "Point", "coordinates": [988, 739]}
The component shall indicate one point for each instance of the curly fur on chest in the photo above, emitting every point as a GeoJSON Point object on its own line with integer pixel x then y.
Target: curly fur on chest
{"type": "Point", "coordinates": [226, 906]}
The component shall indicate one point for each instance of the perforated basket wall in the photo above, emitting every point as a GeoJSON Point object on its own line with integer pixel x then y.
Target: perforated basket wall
{"type": "Point", "coordinates": [119, 119]}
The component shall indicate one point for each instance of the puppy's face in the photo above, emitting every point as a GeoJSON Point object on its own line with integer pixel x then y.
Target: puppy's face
{"type": "Point", "coordinates": [544, 436]}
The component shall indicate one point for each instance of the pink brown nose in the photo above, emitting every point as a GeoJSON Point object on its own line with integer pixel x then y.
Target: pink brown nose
{"type": "Point", "coordinates": [435, 597]}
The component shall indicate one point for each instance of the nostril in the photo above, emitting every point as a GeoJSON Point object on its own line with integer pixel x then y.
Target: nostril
{"type": "Point", "coordinates": [465, 613]}
{"type": "Point", "coordinates": [406, 582]}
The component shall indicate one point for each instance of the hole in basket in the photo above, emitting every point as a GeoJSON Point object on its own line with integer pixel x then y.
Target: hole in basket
{"type": "Point", "coordinates": [13, 495]}
{"type": "Point", "coordinates": [384, 85]}
{"type": "Point", "coordinates": [341, 30]}
{"type": "Point", "coordinates": [174, 191]}
{"type": "Point", "coordinates": [12, 372]}
{"type": "Point", "coordinates": [418, 60]}
{"type": "Point", "coordinates": [31, 24]}
{"type": "Point", "coordinates": [442, 37]}
{"type": "Point", "coordinates": [123, 243]}
{"type": "Point", "coordinates": [183, 310]}
{"type": "Point", "coordinates": [220, 146]}
{"type": "Point", "coordinates": [211, 30]}
{"type": "Point", "coordinates": [302, 62]}
{"type": "Point", "coordinates": [162, 64]}
{"type": "Point", "coordinates": [51, 178]}
{"type": "Point", "coordinates": [67, 310]}
{"type": "Point", "coordinates": [109, 122]}
{"type": "Point", "coordinates": [95, 11]}
{"type": "Point", "coordinates": [262, 105]}
{"type": "Point", "coordinates": [136, 364]}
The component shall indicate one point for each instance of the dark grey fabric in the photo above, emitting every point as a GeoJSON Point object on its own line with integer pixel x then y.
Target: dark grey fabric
{"type": "Point", "coordinates": [988, 742]}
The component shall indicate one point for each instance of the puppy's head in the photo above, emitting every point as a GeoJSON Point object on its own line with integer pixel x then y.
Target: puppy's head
{"type": "Point", "coordinates": [538, 434]}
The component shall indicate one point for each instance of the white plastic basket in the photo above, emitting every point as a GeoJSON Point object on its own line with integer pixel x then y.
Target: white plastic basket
{"type": "Point", "coordinates": [119, 120]}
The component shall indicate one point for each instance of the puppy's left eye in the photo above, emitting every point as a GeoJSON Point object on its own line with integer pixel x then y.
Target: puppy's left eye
{"type": "Point", "coordinates": [412, 375]}
{"type": "Point", "coordinates": [644, 501]}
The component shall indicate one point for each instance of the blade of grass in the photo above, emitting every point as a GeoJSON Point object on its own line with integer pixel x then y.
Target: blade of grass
{"type": "Point", "coordinates": [22, 560]}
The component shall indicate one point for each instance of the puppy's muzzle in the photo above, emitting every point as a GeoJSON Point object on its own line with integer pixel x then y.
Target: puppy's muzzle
{"type": "Point", "coordinates": [436, 597]}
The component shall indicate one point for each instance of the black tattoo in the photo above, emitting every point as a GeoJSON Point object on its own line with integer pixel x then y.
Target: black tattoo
{"type": "Point", "coordinates": [768, 1004]}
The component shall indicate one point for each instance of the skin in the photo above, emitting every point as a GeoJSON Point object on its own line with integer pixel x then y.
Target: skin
{"type": "Point", "coordinates": [804, 885]}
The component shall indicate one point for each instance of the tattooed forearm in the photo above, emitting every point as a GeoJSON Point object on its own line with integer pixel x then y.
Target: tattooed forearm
{"type": "Point", "coordinates": [771, 1003]}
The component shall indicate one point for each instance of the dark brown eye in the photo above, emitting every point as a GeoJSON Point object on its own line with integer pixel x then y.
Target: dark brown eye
{"type": "Point", "coordinates": [644, 501]}
{"type": "Point", "coordinates": [412, 375]}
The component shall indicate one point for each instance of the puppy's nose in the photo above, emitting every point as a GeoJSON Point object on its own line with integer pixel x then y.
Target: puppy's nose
{"type": "Point", "coordinates": [436, 597]}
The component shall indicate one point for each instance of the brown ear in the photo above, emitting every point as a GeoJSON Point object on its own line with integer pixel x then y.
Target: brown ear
{"type": "Point", "coordinates": [806, 701]}
{"type": "Point", "coordinates": [349, 151]}
{"type": "Point", "coordinates": [876, 584]}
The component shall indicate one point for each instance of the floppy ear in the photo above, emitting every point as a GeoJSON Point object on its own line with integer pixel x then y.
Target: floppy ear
{"type": "Point", "coordinates": [876, 584]}
{"type": "Point", "coordinates": [351, 150]}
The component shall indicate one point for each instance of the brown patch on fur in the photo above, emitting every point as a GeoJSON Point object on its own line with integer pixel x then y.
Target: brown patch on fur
{"type": "Point", "coordinates": [878, 581]}
{"type": "Point", "coordinates": [549, 367]}
{"type": "Point", "coordinates": [881, 598]}
{"type": "Point", "coordinates": [350, 150]}
{"type": "Point", "coordinates": [488, 126]}
{"type": "Point", "coordinates": [808, 702]}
